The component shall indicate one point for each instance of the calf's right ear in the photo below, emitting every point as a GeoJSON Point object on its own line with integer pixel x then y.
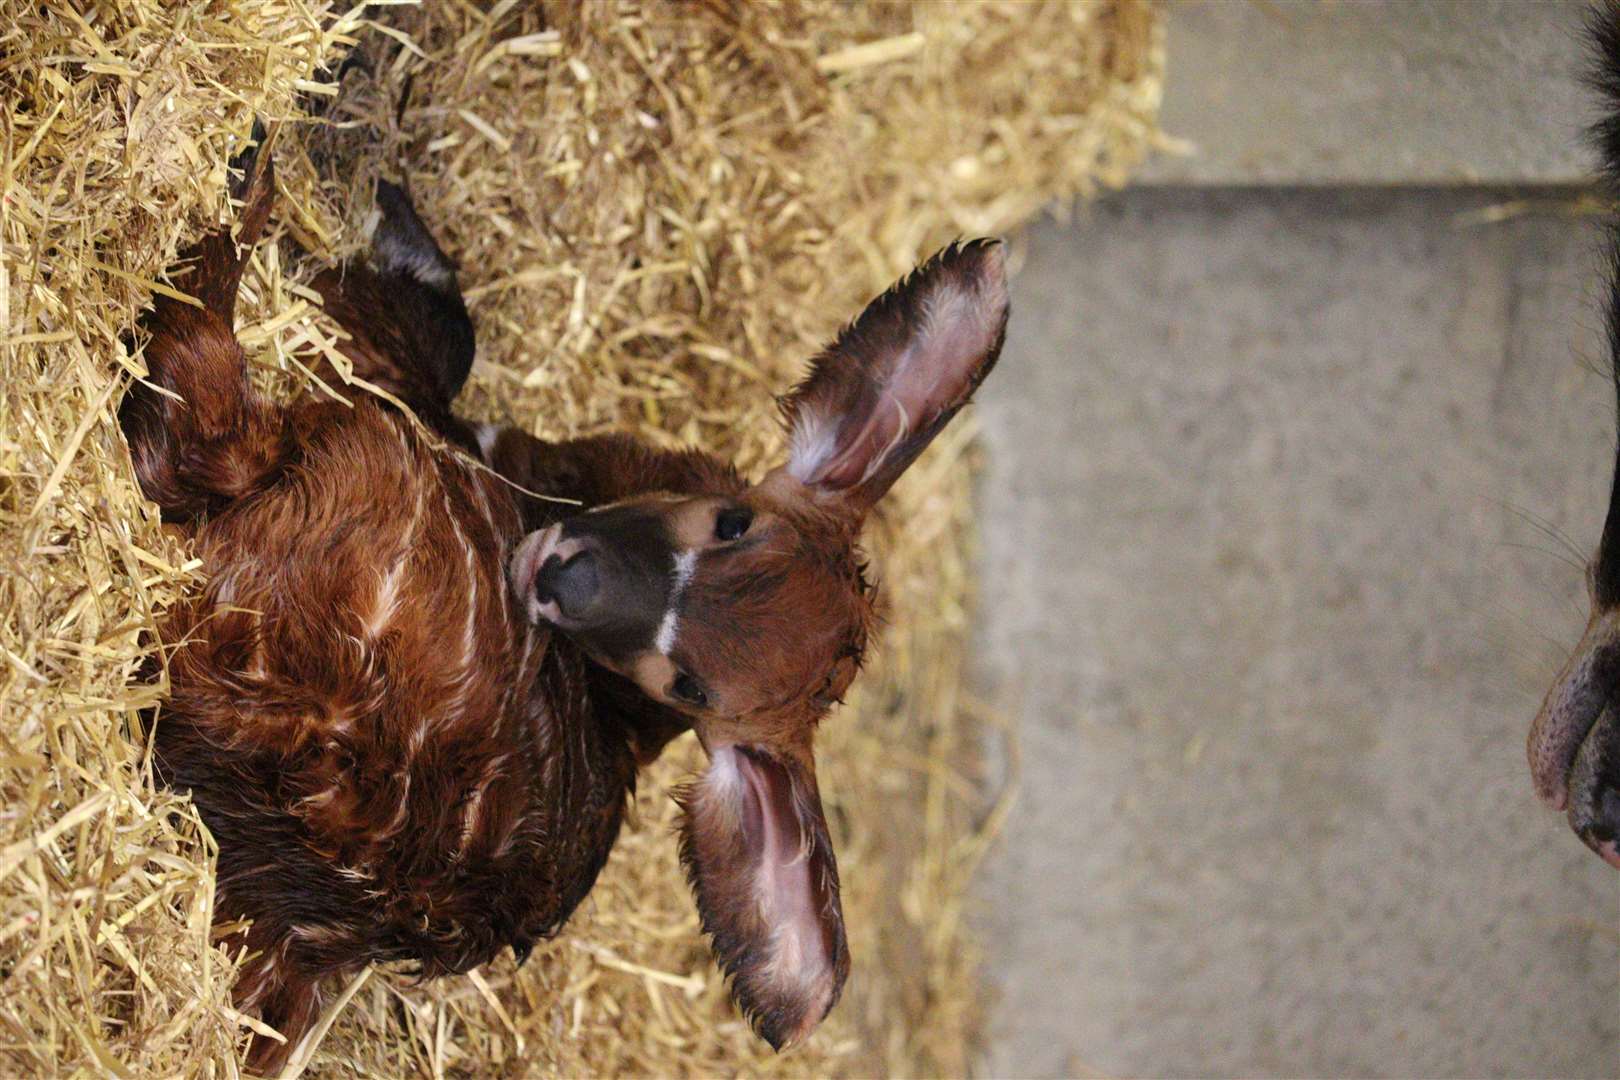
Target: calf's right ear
{"type": "Point", "coordinates": [755, 845]}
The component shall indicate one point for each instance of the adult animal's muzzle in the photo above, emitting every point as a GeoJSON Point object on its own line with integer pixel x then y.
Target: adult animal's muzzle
{"type": "Point", "coordinates": [1574, 743]}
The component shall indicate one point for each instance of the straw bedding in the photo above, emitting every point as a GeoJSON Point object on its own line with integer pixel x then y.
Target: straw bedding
{"type": "Point", "coordinates": [661, 211]}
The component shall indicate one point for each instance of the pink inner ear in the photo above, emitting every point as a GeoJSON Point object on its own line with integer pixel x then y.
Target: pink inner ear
{"type": "Point", "coordinates": [863, 450]}
{"type": "Point", "coordinates": [782, 866]}
{"type": "Point", "coordinates": [948, 335]}
{"type": "Point", "coordinates": [762, 868]}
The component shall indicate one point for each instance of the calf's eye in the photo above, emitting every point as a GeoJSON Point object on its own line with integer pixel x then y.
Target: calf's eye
{"type": "Point", "coordinates": [689, 690]}
{"type": "Point", "coordinates": [732, 524]}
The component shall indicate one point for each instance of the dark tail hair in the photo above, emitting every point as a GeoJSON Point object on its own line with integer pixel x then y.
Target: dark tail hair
{"type": "Point", "coordinates": [198, 434]}
{"type": "Point", "coordinates": [1603, 30]}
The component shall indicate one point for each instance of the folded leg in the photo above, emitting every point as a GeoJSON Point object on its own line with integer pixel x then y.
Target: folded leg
{"type": "Point", "coordinates": [409, 332]}
{"type": "Point", "coordinates": [198, 434]}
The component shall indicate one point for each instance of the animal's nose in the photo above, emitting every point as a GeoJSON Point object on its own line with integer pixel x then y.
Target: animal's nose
{"type": "Point", "coordinates": [1594, 788]}
{"type": "Point", "coordinates": [1596, 819]}
{"type": "Point", "coordinates": [572, 583]}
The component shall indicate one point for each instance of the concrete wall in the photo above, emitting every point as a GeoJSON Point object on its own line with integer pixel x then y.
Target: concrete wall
{"type": "Point", "coordinates": [1374, 92]}
{"type": "Point", "coordinates": [1262, 593]}
{"type": "Point", "coordinates": [1293, 458]}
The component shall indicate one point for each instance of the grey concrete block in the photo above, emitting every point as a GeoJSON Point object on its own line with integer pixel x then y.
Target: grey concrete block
{"type": "Point", "coordinates": [1260, 591]}
{"type": "Point", "coordinates": [1374, 92]}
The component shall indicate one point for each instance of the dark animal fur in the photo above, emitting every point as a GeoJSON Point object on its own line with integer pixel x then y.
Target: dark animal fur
{"type": "Point", "coordinates": [1574, 743]}
{"type": "Point", "coordinates": [1604, 32]}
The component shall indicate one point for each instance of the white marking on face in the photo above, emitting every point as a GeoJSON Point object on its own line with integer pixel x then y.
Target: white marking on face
{"type": "Point", "coordinates": [665, 641]}
{"type": "Point", "coordinates": [685, 564]}
{"type": "Point", "coordinates": [669, 626]}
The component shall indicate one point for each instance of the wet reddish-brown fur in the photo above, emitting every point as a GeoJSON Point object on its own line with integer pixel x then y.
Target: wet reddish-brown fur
{"type": "Point", "coordinates": [395, 764]}
{"type": "Point", "coordinates": [398, 763]}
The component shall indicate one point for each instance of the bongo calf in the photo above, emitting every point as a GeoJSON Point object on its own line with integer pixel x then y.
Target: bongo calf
{"type": "Point", "coordinates": [411, 702]}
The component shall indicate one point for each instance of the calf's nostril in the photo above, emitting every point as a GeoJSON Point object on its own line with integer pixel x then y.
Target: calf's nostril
{"type": "Point", "coordinates": [572, 584]}
{"type": "Point", "coordinates": [1600, 827]}
{"type": "Point", "coordinates": [1594, 786]}
{"type": "Point", "coordinates": [1607, 818]}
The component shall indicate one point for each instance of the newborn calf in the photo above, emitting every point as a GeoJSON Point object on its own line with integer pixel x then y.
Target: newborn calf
{"type": "Point", "coordinates": [411, 702]}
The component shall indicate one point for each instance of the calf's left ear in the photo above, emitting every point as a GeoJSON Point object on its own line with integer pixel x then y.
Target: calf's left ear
{"type": "Point", "coordinates": [877, 396]}
{"type": "Point", "coordinates": [755, 845]}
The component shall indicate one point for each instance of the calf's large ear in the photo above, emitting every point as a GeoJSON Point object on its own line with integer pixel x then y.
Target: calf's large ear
{"type": "Point", "coordinates": [755, 845]}
{"type": "Point", "coordinates": [894, 377]}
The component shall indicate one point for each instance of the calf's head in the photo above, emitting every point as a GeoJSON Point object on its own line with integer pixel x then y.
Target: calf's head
{"type": "Point", "coordinates": [746, 609]}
